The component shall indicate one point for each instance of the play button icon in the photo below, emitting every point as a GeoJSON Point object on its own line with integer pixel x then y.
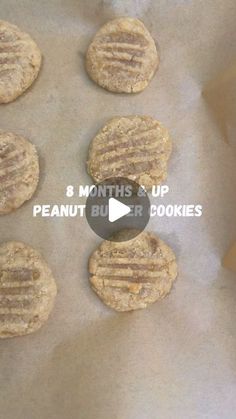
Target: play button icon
{"type": "Point", "coordinates": [117, 204]}
{"type": "Point", "coordinates": [117, 210]}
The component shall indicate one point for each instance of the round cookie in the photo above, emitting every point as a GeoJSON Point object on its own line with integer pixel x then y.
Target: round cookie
{"type": "Point", "coordinates": [134, 147]}
{"type": "Point", "coordinates": [27, 290]}
{"type": "Point", "coordinates": [20, 61]}
{"type": "Point", "coordinates": [130, 275]}
{"type": "Point", "coordinates": [122, 56]}
{"type": "Point", "coordinates": [19, 171]}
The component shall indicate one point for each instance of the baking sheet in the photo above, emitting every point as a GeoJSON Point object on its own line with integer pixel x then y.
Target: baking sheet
{"type": "Point", "coordinates": [175, 359]}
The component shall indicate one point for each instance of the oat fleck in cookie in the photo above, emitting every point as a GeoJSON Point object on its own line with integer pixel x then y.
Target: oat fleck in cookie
{"type": "Point", "coordinates": [27, 290]}
{"type": "Point", "coordinates": [122, 56]}
{"type": "Point", "coordinates": [130, 275]}
{"type": "Point", "coordinates": [19, 171]}
{"type": "Point", "coordinates": [134, 147]}
{"type": "Point", "coordinates": [20, 61]}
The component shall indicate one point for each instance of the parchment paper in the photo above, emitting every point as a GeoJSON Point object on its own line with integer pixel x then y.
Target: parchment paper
{"type": "Point", "coordinates": [175, 359]}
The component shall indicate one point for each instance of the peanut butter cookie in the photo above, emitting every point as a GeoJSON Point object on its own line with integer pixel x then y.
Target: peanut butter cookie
{"type": "Point", "coordinates": [122, 56]}
{"type": "Point", "coordinates": [27, 290]}
{"type": "Point", "coordinates": [130, 275]}
{"type": "Point", "coordinates": [133, 147]}
{"type": "Point", "coordinates": [20, 61]}
{"type": "Point", "coordinates": [19, 171]}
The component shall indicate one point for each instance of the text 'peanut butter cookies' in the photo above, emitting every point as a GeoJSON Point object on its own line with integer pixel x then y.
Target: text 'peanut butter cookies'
{"type": "Point", "coordinates": [27, 290]}
{"type": "Point", "coordinates": [20, 61]}
{"type": "Point", "coordinates": [132, 274]}
{"type": "Point", "coordinates": [122, 56]}
{"type": "Point", "coordinates": [134, 147]}
{"type": "Point", "coordinates": [19, 171]}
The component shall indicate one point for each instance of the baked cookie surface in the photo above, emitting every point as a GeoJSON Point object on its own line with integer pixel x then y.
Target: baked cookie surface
{"type": "Point", "coordinates": [20, 61]}
{"type": "Point", "coordinates": [133, 147]}
{"type": "Point", "coordinates": [132, 274]}
{"type": "Point", "coordinates": [27, 290]}
{"type": "Point", "coordinates": [19, 171]}
{"type": "Point", "coordinates": [122, 56]}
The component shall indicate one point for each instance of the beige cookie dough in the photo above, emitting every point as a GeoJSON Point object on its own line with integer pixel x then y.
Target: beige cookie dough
{"type": "Point", "coordinates": [122, 56]}
{"type": "Point", "coordinates": [130, 275]}
{"type": "Point", "coordinates": [19, 171]}
{"type": "Point", "coordinates": [27, 290]}
{"type": "Point", "coordinates": [134, 147]}
{"type": "Point", "coordinates": [20, 61]}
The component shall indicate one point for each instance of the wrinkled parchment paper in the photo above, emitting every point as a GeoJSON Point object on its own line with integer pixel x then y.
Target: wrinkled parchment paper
{"type": "Point", "coordinates": [176, 359]}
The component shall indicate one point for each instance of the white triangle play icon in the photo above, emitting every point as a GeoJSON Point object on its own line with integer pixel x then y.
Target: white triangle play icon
{"type": "Point", "coordinates": [117, 210]}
